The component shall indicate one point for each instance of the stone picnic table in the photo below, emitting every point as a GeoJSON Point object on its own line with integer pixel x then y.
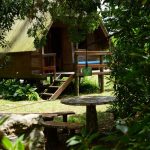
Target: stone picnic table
{"type": "Point", "coordinates": [90, 102]}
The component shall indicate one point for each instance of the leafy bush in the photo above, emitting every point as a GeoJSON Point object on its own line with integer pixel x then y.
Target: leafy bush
{"type": "Point", "coordinates": [15, 90]}
{"type": "Point", "coordinates": [83, 141]}
{"type": "Point", "coordinates": [128, 134]}
{"type": "Point", "coordinates": [131, 53]}
{"type": "Point", "coordinates": [131, 134]}
{"type": "Point", "coordinates": [89, 85]}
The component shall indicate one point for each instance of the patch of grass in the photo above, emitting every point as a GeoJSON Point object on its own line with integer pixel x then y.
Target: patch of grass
{"type": "Point", "coordinates": [7, 106]}
{"type": "Point", "coordinates": [89, 85]}
{"type": "Point", "coordinates": [42, 106]}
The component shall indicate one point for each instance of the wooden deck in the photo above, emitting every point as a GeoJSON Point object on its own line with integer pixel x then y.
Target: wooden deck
{"type": "Point", "coordinates": [94, 72]}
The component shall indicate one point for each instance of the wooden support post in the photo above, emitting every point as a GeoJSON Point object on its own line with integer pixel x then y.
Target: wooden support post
{"type": "Point", "coordinates": [77, 85]}
{"type": "Point", "coordinates": [51, 137]}
{"type": "Point", "coordinates": [101, 82]}
{"type": "Point", "coordinates": [101, 77]}
{"type": "Point", "coordinates": [76, 73]}
{"type": "Point", "coordinates": [91, 119]}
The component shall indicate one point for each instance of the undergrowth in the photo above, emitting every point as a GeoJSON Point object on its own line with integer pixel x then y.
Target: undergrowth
{"type": "Point", "coordinates": [13, 89]}
{"type": "Point", "coordinates": [88, 85]}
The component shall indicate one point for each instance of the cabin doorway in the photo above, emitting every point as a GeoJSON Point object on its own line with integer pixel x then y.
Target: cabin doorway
{"type": "Point", "coordinates": [54, 45]}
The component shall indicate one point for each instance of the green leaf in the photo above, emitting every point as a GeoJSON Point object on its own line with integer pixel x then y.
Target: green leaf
{"type": "Point", "coordinates": [7, 143]}
{"type": "Point", "coordinates": [93, 137]}
{"type": "Point", "coordinates": [18, 145]}
{"type": "Point", "coordinates": [74, 142]}
{"type": "Point", "coordinates": [3, 119]}
{"type": "Point", "coordinates": [122, 128]}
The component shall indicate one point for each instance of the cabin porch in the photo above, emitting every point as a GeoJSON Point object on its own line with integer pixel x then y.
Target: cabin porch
{"type": "Point", "coordinates": [49, 68]}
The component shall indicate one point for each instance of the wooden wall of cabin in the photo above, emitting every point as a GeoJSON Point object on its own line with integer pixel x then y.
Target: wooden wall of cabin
{"type": "Point", "coordinates": [68, 63]}
{"type": "Point", "coordinates": [58, 42]}
{"type": "Point", "coordinates": [18, 66]}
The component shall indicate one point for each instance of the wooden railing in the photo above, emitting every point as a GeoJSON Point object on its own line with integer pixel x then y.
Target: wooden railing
{"type": "Point", "coordinates": [43, 63]}
{"type": "Point", "coordinates": [49, 63]}
{"type": "Point", "coordinates": [97, 55]}
{"type": "Point", "coordinates": [98, 68]}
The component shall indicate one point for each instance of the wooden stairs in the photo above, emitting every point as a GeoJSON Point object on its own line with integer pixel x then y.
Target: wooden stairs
{"type": "Point", "coordinates": [59, 84]}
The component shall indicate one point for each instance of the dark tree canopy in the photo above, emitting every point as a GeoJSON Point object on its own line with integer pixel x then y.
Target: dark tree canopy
{"type": "Point", "coordinates": [81, 16]}
{"type": "Point", "coordinates": [11, 10]}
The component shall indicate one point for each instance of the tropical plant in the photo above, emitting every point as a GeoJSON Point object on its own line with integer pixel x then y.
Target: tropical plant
{"type": "Point", "coordinates": [15, 90]}
{"type": "Point", "coordinates": [130, 134]}
{"type": "Point", "coordinates": [127, 134]}
{"type": "Point", "coordinates": [83, 141]}
{"type": "Point", "coordinates": [9, 145]}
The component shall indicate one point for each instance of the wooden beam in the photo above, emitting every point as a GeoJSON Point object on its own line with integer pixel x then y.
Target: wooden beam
{"type": "Point", "coordinates": [92, 53]}
{"type": "Point", "coordinates": [62, 87]}
{"type": "Point", "coordinates": [79, 66]}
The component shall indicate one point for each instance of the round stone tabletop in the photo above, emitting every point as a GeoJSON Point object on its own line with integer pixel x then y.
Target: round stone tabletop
{"type": "Point", "coordinates": [88, 100]}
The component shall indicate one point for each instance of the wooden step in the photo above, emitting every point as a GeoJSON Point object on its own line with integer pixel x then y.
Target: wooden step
{"type": "Point", "coordinates": [54, 86]}
{"type": "Point", "coordinates": [59, 80]}
{"type": "Point", "coordinates": [62, 87]}
{"type": "Point", "coordinates": [62, 125]}
{"type": "Point", "coordinates": [50, 116]}
{"type": "Point", "coordinates": [58, 89]}
{"type": "Point", "coordinates": [47, 94]}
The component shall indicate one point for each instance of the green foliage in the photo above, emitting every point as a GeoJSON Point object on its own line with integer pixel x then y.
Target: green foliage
{"type": "Point", "coordinates": [3, 119]}
{"type": "Point", "coordinates": [128, 134]}
{"type": "Point", "coordinates": [128, 22]}
{"type": "Point", "coordinates": [15, 90]}
{"type": "Point", "coordinates": [81, 17]}
{"type": "Point", "coordinates": [131, 134]}
{"type": "Point", "coordinates": [34, 10]}
{"type": "Point", "coordinates": [8, 145]}
{"type": "Point", "coordinates": [83, 141]}
{"type": "Point", "coordinates": [89, 85]}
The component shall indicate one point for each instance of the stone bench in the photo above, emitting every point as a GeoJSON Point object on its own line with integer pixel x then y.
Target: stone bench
{"type": "Point", "coordinates": [54, 136]}
{"type": "Point", "coordinates": [50, 116]}
{"type": "Point", "coordinates": [71, 127]}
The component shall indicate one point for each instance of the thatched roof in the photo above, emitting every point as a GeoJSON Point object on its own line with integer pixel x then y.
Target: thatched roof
{"type": "Point", "coordinates": [18, 39]}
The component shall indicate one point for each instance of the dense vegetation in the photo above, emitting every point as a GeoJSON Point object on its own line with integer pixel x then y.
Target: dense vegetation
{"type": "Point", "coordinates": [13, 89]}
{"type": "Point", "coordinates": [129, 24]}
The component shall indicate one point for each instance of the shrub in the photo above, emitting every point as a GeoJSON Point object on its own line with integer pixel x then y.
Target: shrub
{"type": "Point", "coordinates": [131, 53]}
{"type": "Point", "coordinates": [128, 134]}
{"type": "Point", "coordinates": [89, 85]}
{"type": "Point", "coordinates": [15, 90]}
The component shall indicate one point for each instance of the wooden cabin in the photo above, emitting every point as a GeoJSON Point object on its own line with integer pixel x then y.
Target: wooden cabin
{"type": "Point", "coordinates": [58, 56]}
